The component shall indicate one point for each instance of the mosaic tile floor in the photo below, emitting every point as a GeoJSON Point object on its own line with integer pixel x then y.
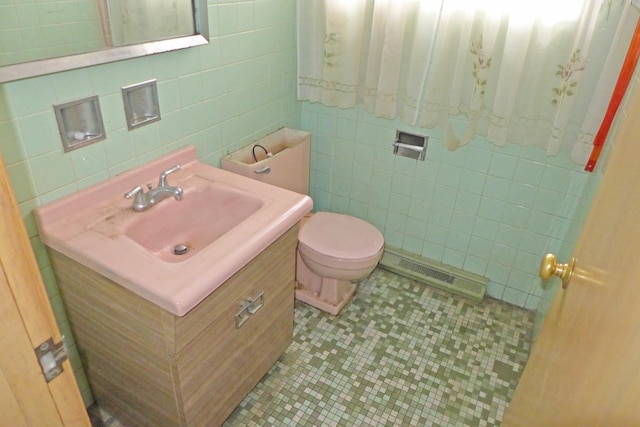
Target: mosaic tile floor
{"type": "Point", "coordinates": [401, 354]}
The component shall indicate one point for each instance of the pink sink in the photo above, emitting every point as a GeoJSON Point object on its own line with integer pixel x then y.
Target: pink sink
{"type": "Point", "coordinates": [224, 220]}
{"type": "Point", "coordinates": [189, 225]}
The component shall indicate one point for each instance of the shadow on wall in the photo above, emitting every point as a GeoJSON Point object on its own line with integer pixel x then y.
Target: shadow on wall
{"type": "Point", "coordinates": [14, 159]}
{"type": "Point", "coordinates": [579, 215]}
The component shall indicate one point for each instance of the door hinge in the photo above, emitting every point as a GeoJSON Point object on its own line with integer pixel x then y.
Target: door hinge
{"type": "Point", "coordinates": [50, 356]}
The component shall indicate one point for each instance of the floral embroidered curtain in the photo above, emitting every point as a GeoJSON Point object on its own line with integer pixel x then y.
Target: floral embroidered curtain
{"type": "Point", "coordinates": [537, 74]}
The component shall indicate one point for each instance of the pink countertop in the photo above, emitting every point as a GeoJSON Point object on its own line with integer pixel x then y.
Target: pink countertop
{"type": "Point", "coordinates": [88, 226]}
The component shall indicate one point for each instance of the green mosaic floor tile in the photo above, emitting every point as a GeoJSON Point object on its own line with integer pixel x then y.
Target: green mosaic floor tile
{"type": "Point", "coordinates": [401, 354]}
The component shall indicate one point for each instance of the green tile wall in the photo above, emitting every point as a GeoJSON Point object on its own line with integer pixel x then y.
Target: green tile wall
{"type": "Point", "coordinates": [490, 210]}
{"type": "Point", "coordinates": [47, 29]}
{"type": "Point", "coordinates": [217, 97]}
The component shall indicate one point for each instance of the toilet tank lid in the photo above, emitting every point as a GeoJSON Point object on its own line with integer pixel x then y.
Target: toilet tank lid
{"type": "Point", "coordinates": [341, 236]}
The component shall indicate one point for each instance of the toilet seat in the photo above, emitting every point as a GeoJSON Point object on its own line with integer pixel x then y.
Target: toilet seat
{"type": "Point", "coordinates": [340, 241]}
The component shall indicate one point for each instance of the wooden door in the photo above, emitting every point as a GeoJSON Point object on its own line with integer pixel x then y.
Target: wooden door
{"type": "Point", "coordinates": [26, 399]}
{"type": "Point", "coordinates": [584, 369]}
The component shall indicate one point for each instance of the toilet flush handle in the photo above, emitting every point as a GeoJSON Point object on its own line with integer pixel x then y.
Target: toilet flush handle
{"type": "Point", "coordinates": [265, 169]}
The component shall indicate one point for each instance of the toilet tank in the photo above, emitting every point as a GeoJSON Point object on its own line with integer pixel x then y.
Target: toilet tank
{"type": "Point", "coordinates": [286, 167]}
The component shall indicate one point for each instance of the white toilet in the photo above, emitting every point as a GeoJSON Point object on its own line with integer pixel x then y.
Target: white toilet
{"type": "Point", "coordinates": [334, 250]}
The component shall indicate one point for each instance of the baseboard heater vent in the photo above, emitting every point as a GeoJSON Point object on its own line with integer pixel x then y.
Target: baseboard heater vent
{"type": "Point", "coordinates": [438, 275]}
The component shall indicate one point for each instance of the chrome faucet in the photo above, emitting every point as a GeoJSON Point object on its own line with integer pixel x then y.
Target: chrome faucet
{"type": "Point", "coordinates": [143, 201]}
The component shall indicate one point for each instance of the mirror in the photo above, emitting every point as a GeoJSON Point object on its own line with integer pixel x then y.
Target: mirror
{"type": "Point", "coordinates": [38, 38]}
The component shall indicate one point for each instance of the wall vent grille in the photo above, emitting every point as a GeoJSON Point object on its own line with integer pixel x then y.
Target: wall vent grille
{"type": "Point", "coordinates": [438, 275]}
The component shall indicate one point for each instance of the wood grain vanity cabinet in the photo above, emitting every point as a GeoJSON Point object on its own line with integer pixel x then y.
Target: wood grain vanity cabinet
{"type": "Point", "coordinates": [152, 368]}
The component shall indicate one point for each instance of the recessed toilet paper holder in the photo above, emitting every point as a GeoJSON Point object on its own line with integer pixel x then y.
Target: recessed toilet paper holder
{"type": "Point", "coordinates": [410, 145]}
{"type": "Point", "coordinates": [79, 122]}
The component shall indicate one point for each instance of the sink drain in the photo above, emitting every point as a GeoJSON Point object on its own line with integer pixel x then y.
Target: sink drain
{"type": "Point", "coordinates": [180, 249]}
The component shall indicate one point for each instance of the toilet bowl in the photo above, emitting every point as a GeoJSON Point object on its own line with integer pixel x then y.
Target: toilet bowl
{"type": "Point", "coordinates": [335, 251]}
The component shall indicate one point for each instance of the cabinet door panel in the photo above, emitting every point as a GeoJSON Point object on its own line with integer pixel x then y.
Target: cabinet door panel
{"type": "Point", "coordinates": [223, 363]}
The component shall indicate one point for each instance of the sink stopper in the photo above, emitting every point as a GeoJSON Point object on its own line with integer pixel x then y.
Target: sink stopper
{"type": "Point", "coordinates": [180, 249]}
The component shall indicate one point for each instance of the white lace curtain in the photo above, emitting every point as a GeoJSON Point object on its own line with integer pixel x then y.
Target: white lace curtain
{"type": "Point", "coordinates": [531, 73]}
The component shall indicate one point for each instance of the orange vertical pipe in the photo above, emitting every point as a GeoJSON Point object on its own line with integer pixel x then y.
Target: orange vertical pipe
{"type": "Point", "coordinates": [624, 78]}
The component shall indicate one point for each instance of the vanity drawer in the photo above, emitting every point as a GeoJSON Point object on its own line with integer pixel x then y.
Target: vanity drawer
{"type": "Point", "coordinates": [275, 267]}
{"type": "Point", "coordinates": [249, 325]}
{"type": "Point", "coordinates": [150, 367]}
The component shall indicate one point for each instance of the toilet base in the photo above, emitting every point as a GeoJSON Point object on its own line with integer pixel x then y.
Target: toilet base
{"type": "Point", "coordinates": [347, 292]}
{"type": "Point", "coordinates": [325, 293]}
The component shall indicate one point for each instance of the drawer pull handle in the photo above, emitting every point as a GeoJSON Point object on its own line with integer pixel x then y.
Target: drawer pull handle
{"type": "Point", "coordinates": [256, 303]}
{"type": "Point", "coordinates": [248, 308]}
{"type": "Point", "coordinates": [243, 314]}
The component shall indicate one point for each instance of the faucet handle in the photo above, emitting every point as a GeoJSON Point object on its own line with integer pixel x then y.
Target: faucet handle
{"type": "Point", "coordinates": [163, 176]}
{"type": "Point", "coordinates": [137, 192]}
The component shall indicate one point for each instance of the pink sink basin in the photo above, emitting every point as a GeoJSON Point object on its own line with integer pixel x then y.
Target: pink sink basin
{"type": "Point", "coordinates": [191, 224]}
{"type": "Point", "coordinates": [224, 220]}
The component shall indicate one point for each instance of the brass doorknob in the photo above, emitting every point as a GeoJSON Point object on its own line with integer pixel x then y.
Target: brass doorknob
{"type": "Point", "coordinates": [550, 267]}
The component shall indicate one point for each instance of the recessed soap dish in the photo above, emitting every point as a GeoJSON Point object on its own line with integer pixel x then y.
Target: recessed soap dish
{"type": "Point", "coordinates": [80, 122]}
{"type": "Point", "coordinates": [141, 105]}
